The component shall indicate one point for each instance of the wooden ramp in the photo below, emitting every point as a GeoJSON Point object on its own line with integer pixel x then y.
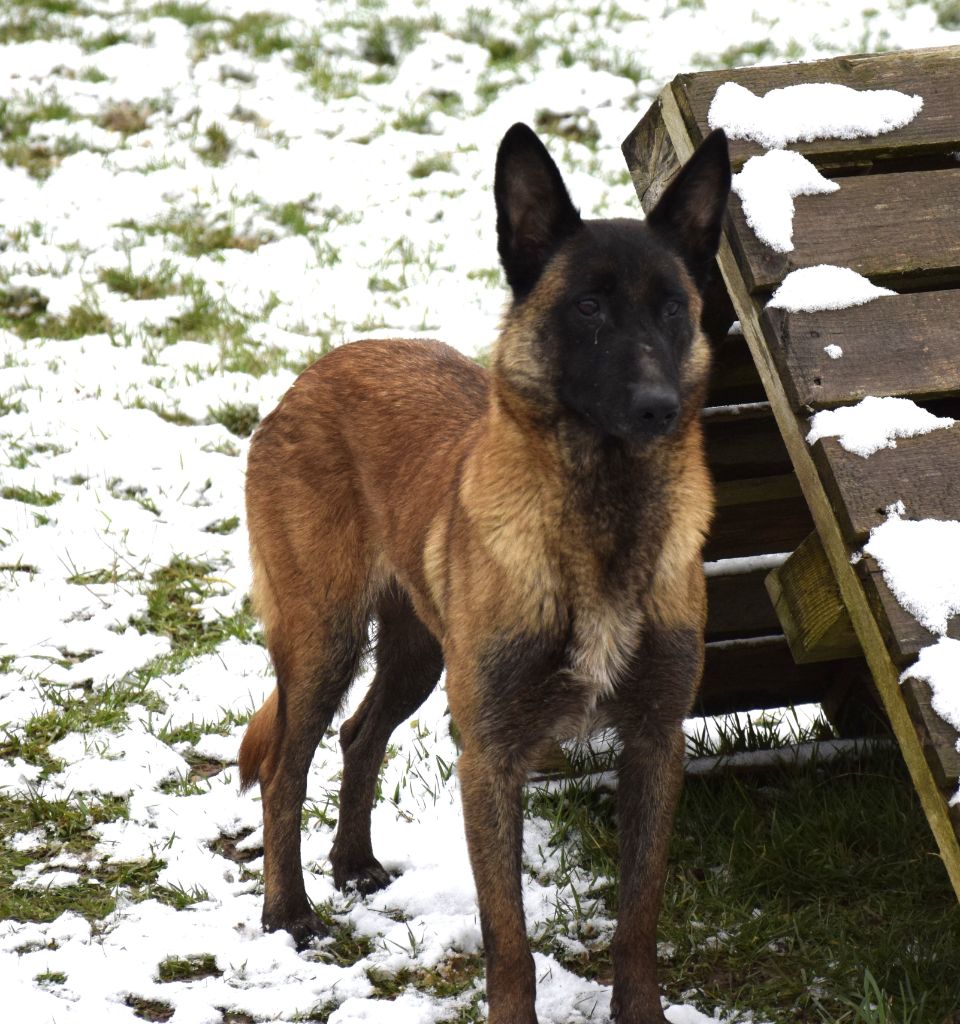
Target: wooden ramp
{"type": "Point", "coordinates": [896, 220]}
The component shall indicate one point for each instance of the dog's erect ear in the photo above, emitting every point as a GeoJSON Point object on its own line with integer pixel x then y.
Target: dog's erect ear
{"type": "Point", "coordinates": [534, 212]}
{"type": "Point", "coordinates": [689, 215]}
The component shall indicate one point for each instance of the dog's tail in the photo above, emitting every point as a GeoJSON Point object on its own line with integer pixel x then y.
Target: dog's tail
{"type": "Point", "coordinates": [259, 741]}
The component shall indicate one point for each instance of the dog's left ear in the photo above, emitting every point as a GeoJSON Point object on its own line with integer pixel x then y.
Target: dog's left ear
{"type": "Point", "coordinates": [689, 215]}
{"type": "Point", "coordinates": [534, 211]}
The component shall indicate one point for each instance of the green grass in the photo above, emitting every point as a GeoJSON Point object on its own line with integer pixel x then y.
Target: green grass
{"type": "Point", "coordinates": [31, 497]}
{"type": "Point", "coordinates": [785, 886]}
{"type": "Point", "coordinates": [173, 598]}
{"type": "Point", "coordinates": [143, 286]}
{"type": "Point", "coordinates": [188, 968]}
{"type": "Point", "coordinates": [431, 164]}
{"type": "Point", "coordinates": [26, 317]}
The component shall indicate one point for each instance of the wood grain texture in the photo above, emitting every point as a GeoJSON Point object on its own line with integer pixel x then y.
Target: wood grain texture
{"type": "Point", "coordinates": [766, 524]}
{"type": "Point", "coordinates": [739, 606]}
{"type": "Point", "coordinates": [941, 739]}
{"type": "Point", "coordinates": [899, 230]}
{"type": "Point", "coordinates": [808, 604]}
{"type": "Point", "coordinates": [763, 674]}
{"type": "Point", "coordinates": [897, 345]}
{"type": "Point", "coordinates": [923, 472]}
{"type": "Point", "coordinates": [932, 74]}
{"type": "Point", "coordinates": [744, 443]}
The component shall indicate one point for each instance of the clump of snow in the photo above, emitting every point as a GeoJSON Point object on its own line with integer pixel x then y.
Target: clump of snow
{"type": "Point", "coordinates": [767, 186]}
{"type": "Point", "coordinates": [874, 423]}
{"type": "Point", "coordinates": [939, 665]}
{"type": "Point", "coordinates": [920, 561]}
{"type": "Point", "coordinates": [811, 110]}
{"type": "Point", "coordinates": [824, 286]}
{"type": "Point", "coordinates": [833, 351]}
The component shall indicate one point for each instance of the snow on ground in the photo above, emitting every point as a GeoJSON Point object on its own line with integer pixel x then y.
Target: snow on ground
{"type": "Point", "coordinates": [195, 202]}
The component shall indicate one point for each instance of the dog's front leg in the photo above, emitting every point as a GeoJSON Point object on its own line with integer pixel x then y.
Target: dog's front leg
{"type": "Point", "coordinates": [490, 784]}
{"type": "Point", "coordinates": [649, 713]}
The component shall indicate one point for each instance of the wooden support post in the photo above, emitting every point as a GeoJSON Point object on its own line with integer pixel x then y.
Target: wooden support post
{"type": "Point", "coordinates": [808, 604]}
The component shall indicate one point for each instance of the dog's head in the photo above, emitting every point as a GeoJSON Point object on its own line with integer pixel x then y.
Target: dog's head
{"type": "Point", "coordinates": [604, 327]}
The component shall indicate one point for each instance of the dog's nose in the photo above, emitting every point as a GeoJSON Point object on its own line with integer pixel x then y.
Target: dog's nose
{"type": "Point", "coordinates": [655, 407]}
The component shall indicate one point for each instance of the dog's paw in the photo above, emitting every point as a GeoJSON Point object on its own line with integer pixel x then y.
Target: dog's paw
{"type": "Point", "coordinates": [366, 878]}
{"type": "Point", "coordinates": [303, 928]}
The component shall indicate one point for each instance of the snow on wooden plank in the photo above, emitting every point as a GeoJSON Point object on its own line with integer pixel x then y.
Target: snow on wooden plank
{"type": "Point", "coordinates": [894, 346]}
{"type": "Point", "coordinates": [896, 229]}
{"type": "Point", "coordinates": [922, 471]}
{"type": "Point", "coordinates": [930, 73]}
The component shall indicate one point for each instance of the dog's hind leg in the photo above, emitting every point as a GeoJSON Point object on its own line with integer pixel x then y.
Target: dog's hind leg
{"type": "Point", "coordinates": [311, 682]}
{"type": "Point", "coordinates": [409, 663]}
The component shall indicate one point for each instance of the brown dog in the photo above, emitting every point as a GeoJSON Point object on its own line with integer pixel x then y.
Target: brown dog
{"type": "Point", "coordinates": [537, 529]}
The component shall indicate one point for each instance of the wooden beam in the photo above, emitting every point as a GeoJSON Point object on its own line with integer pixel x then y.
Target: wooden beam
{"type": "Point", "coordinates": [916, 332]}
{"type": "Point", "coordinates": [807, 601]}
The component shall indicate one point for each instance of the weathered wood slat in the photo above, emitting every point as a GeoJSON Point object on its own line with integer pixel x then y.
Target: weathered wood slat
{"type": "Point", "coordinates": [756, 517]}
{"type": "Point", "coordinates": [933, 74]}
{"type": "Point", "coordinates": [940, 747]}
{"type": "Point", "coordinates": [734, 379]}
{"type": "Point", "coordinates": [903, 634]}
{"type": "Point", "coordinates": [763, 674]}
{"type": "Point", "coordinates": [897, 345]}
{"type": "Point", "coordinates": [896, 229]}
{"type": "Point", "coordinates": [739, 606]}
{"type": "Point", "coordinates": [923, 472]}
{"type": "Point", "coordinates": [744, 444]}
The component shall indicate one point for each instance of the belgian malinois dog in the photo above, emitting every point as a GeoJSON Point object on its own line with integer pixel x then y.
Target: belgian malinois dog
{"type": "Point", "coordinates": [537, 529]}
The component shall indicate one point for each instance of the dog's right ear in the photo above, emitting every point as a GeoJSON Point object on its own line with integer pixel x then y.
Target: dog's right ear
{"type": "Point", "coordinates": [534, 211]}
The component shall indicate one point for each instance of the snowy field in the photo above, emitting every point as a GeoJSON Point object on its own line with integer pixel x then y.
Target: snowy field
{"type": "Point", "coordinates": [197, 200]}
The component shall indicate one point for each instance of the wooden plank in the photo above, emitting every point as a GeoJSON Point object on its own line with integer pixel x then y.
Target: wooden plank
{"type": "Point", "coordinates": [684, 136]}
{"type": "Point", "coordinates": [808, 604]}
{"type": "Point", "coordinates": [903, 634]}
{"type": "Point", "coordinates": [933, 74]}
{"type": "Point", "coordinates": [734, 379]}
{"type": "Point", "coordinates": [939, 738]}
{"type": "Point", "coordinates": [761, 673]}
{"type": "Point", "coordinates": [897, 345]}
{"type": "Point", "coordinates": [744, 443]}
{"type": "Point", "coordinates": [896, 229]}
{"type": "Point", "coordinates": [922, 471]}
{"type": "Point", "coordinates": [738, 606]}
{"type": "Point", "coordinates": [756, 517]}
{"type": "Point", "coordinates": [651, 157]}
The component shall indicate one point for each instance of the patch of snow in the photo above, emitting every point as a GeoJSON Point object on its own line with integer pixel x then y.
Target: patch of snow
{"type": "Point", "coordinates": [920, 561]}
{"type": "Point", "coordinates": [810, 110]}
{"type": "Point", "coordinates": [874, 423]}
{"type": "Point", "coordinates": [767, 186]}
{"type": "Point", "coordinates": [939, 665]}
{"type": "Point", "coordinates": [749, 563]}
{"type": "Point", "coordinates": [810, 289]}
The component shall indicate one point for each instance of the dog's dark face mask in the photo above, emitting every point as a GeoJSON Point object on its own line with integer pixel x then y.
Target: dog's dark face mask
{"type": "Point", "coordinates": [618, 301]}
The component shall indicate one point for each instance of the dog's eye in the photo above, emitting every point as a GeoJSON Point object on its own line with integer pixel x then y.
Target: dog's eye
{"type": "Point", "coordinates": [671, 308]}
{"type": "Point", "coordinates": [588, 307]}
